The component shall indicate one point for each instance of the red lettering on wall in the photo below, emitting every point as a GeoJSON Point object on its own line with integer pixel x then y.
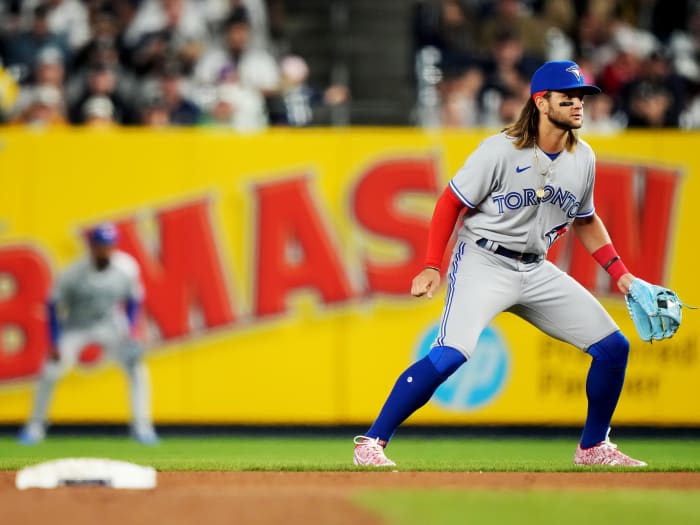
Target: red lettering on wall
{"type": "Point", "coordinates": [636, 205]}
{"type": "Point", "coordinates": [294, 248]}
{"type": "Point", "coordinates": [376, 208]}
{"type": "Point", "coordinates": [187, 272]}
{"type": "Point", "coordinates": [24, 310]}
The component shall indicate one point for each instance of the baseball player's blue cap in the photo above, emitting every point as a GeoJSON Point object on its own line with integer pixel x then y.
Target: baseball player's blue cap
{"type": "Point", "coordinates": [105, 233]}
{"type": "Point", "coordinates": [560, 75]}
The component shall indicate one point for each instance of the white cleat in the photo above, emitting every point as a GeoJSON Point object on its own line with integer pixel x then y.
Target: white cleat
{"type": "Point", "coordinates": [605, 453]}
{"type": "Point", "coordinates": [369, 453]}
{"type": "Point", "coordinates": [145, 436]}
{"type": "Point", "coordinates": [32, 433]}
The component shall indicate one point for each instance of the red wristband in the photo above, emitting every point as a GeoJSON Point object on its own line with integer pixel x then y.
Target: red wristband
{"type": "Point", "coordinates": [611, 262]}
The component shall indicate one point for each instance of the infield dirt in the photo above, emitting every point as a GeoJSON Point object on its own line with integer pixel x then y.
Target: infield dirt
{"type": "Point", "coordinates": [292, 498]}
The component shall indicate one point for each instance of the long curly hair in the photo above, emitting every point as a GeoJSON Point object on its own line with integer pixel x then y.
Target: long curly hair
{"type": "Point", "coordinates": [524, 130]}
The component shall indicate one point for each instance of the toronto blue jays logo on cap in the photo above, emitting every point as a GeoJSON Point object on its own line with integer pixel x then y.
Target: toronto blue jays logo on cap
{"type": "Point", "coordinates": [560, 75]}
{"type": "Point", "coordinates": [574, 70]}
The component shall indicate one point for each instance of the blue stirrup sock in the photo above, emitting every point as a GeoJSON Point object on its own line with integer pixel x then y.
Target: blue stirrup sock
{"type": "Point", "coordinates": [604, 386]}
{"type": "Point", "coordinates": [414, 388]}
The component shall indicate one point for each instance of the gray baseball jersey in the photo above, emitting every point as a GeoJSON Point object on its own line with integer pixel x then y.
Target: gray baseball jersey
{"type": "Point", "coordinates": [86, 296]}
{"type": "Point", "coordinates": [525, 200]}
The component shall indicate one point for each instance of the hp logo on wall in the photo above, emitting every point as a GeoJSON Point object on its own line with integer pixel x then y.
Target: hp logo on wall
{"type": "Point", "coordinates": [477, 382]}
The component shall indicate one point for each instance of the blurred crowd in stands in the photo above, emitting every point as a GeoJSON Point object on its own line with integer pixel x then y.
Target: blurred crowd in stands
{"type": "Point", "coordinates": [225, 62]}
{"type": "Point", "coordinates": [474, 59]}
{"type": "Point", "coordinates": [154, 63]}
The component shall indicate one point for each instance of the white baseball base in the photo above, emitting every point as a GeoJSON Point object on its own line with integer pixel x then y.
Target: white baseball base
{"type": "Point", "coordinates": [86, 471]}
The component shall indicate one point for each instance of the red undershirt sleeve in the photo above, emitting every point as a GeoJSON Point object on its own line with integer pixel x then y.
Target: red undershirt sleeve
{"type": "Point", "coordinates": [447, 209]}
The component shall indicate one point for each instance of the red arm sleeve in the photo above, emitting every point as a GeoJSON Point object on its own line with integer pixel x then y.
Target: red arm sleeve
{"type": "Point", "coordinates": [445, 216]}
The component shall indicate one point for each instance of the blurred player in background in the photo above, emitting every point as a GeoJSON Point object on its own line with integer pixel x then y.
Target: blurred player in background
{"type": "Point", "coordinates": [96, 301]}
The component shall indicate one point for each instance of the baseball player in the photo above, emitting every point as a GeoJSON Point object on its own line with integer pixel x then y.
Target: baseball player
{"type": "Point", "coordinates": [522, 189]}
{"type": "Point", "coordinates": [96, 300]}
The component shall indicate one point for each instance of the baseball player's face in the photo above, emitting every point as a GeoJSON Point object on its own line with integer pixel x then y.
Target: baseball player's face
{"type": "Point", "coordinates": [565, 109]}
{"type": "Point", "coordinates": [101, 254]}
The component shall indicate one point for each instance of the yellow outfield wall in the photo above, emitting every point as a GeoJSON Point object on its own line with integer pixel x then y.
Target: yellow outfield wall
{"type": "Point", "coordinates": [277, 269]}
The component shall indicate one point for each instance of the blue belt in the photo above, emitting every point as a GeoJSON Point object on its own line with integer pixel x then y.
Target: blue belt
{"type": "Point", "coordinates": [527, 258]}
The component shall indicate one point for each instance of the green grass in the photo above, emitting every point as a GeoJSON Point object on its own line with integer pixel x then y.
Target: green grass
{"type": "Point", "coordinates": [334, 454]}
{"type": "Point", "coordinates": [448, 507]}
{"type": "Point", "coordinates": [417, 507]}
